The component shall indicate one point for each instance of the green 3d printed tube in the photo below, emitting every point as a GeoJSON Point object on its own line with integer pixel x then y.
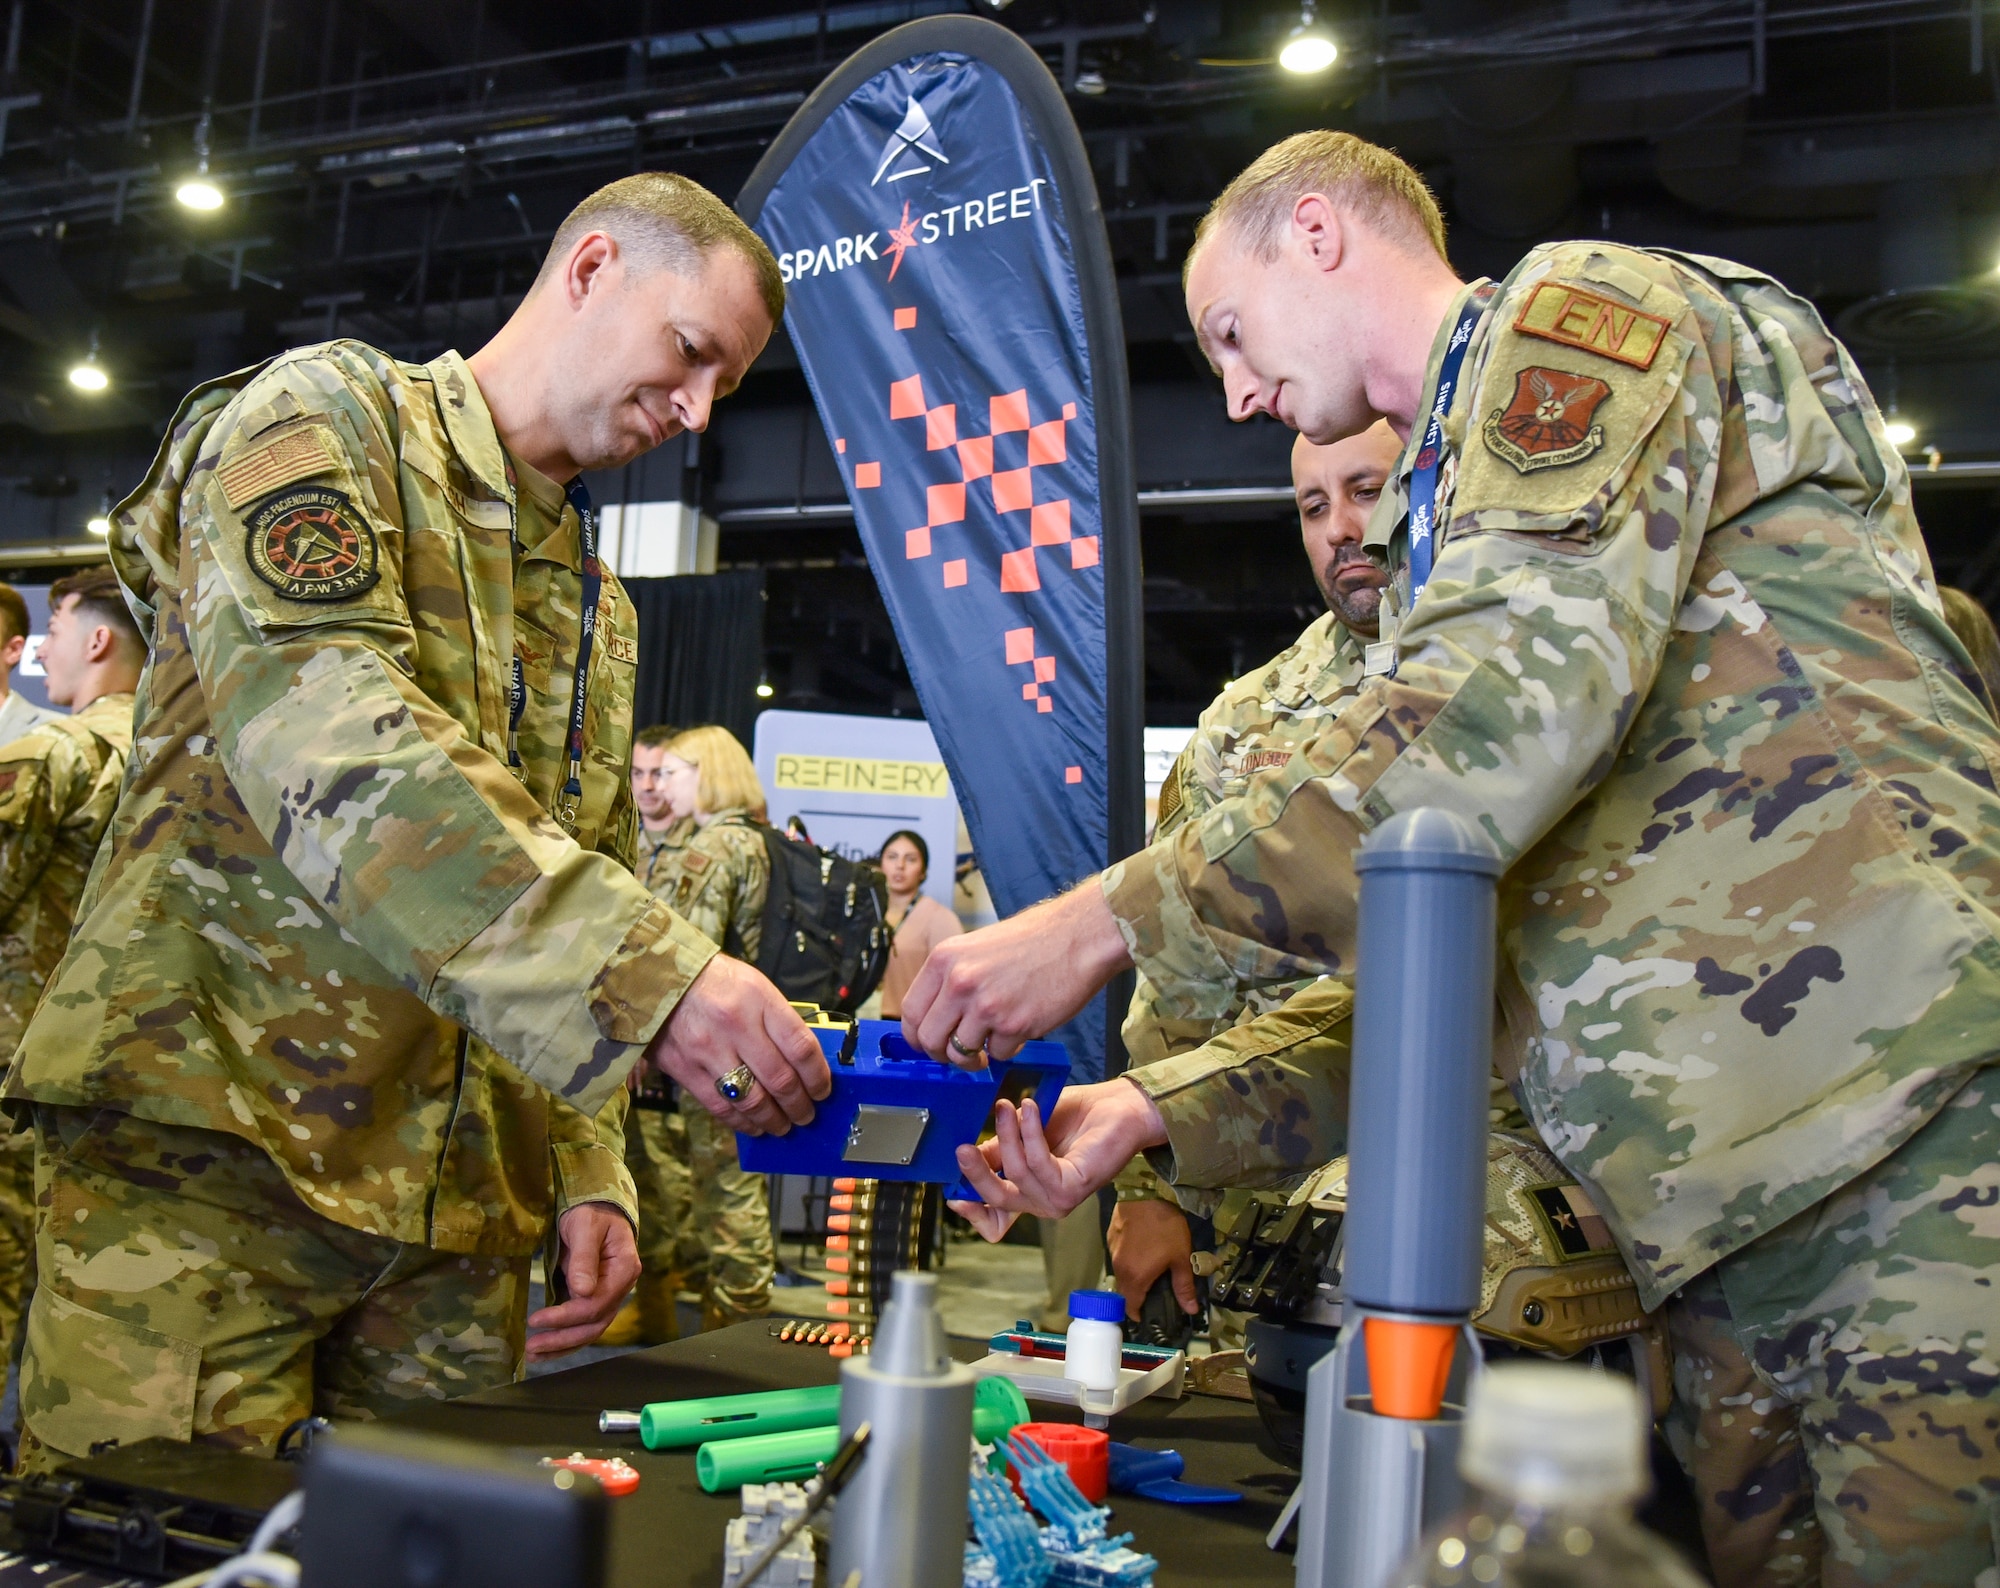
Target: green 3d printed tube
{"type": "Point", "coordinates": [725, 1462]}
{"type": "Point", "coordinates": [672, 1425]}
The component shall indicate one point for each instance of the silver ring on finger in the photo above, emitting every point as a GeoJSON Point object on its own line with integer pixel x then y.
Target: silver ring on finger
{"type": "Point", "coordinates": [962, 1050]}
{"type": "Point", "coordinates": [736, 1084]}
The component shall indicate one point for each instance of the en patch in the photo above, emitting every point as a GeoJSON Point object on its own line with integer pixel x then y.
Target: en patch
{"type": "Point", "coordinates": [1548, 424]}
{"type": "Point", "coordinates": [311, 544]}
{"type": "Point", "coordinates": [1557, 312]}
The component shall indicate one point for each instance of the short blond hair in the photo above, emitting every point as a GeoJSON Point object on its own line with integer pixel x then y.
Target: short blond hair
{"type": "Point", "coordinates": [1375, 183]}
{"type": "Point", "coordinates": [664, 221]}
{"type": "Point", "coordinates": [728, 778]}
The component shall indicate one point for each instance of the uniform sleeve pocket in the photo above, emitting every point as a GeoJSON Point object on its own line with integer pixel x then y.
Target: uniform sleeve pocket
{"type": "Point", "coordinates": [87, 1378]}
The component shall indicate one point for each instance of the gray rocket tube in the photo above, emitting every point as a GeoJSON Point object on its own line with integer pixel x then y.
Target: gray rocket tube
{"type": "Point", "coordinates": [1370, 1483]}
{"type": "Point", "coordinates": [1423, 1043]}
{"type": "Point", "coordinates": [901, 1520]}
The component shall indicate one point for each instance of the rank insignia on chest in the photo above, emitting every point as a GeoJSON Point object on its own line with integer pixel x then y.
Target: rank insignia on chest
{"type": "Point", "coordinates": [1548, 424]}
{"type": "Point", "coordinates": [311, 544]}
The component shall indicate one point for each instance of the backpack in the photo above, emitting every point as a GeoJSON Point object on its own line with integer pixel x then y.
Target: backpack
{"type": "Point", "coordinates": [826, 934]}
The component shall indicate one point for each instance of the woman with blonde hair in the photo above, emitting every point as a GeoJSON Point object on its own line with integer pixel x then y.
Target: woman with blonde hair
{"type": "Point", "coordinates": [723, 877]}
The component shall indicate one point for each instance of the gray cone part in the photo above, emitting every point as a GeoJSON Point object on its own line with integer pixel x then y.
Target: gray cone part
{"type": "Point", "coordinates": [901, 1520]}
{"type": "Point", "coordinates": [1423, 1047]}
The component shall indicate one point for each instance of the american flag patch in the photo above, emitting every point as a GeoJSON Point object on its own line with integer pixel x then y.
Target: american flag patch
{"type": "Point", "coordinates": [296, 455]}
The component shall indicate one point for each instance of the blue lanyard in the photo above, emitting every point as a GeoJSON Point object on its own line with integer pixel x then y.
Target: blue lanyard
{"type": "Point", "coordinates": [1430, 455]}
{"type": "Point", "coordinates": [593, 588]}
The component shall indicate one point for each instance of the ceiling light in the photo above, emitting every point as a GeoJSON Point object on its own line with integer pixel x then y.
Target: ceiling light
{"type": "Point", "coordinates": [1308, 48]}
{"type": "Point", "coordinates": [100, 525]}
{"type": "Point", "coordinates": [88, 375]}
{"type": "Point", "coordinates": [764, 689]}
{"type": "Point", "coordinates": [1090, 84]}
{"type": "Point", "coordinates": [1900, 432]}
{"type": "Point", "coordinates": [198, 193]}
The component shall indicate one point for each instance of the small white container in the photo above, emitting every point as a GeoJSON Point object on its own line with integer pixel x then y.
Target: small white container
{"type": "Point", "coordinates": [1096, 1339]}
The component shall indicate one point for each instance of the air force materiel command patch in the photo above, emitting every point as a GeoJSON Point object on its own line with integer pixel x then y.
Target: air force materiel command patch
{"type": "Point", "coordinates": [1548, 423]}
{"type": "Point", "coordinates": [1558, 312]}
{"type": "Point", "coordinates": [310, 544]}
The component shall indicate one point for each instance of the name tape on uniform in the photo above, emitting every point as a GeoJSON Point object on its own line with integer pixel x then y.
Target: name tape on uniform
{"type": "Point", "coordinates": [848, 775]}
{"type": "Point", "coordinates": [1558, 312]}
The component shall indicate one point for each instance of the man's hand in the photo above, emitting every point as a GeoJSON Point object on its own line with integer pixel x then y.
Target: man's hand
{"type": "Point", "coordinates": [731, 1015]}
{"type": "Point", "coordinates": [984, 993]}
{"type": "Point", "coordinates": [1148, 1239]}
{"type": "Point", "coordinates": [1091, 1134]}
{"type": "Point", "coordinates": [600, 1260]}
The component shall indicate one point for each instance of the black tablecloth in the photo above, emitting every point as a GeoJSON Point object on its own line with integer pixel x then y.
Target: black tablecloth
{"type": "Point", "coordinates": [669, 1533]}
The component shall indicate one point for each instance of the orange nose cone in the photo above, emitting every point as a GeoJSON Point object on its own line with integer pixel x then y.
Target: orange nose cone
{"type": "Point", "coordinates": [1408, 1365]}
{"type": "Point", "coordinates": [836, 1287]}
{"type": "Point", "coordinates": [836, 1263]}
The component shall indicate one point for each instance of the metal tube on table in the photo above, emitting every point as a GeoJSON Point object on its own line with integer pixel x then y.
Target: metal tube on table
{"type": "Point", "coordinates": [901, 1523]}
{"type": "Point", "coordinates": [1382, 1409]}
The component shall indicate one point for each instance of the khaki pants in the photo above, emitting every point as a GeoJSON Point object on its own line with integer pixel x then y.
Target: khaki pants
{"type": "Point", "coordinates": [1837, 1382]}
{"type": "Point", "coordinates": [187, 1293]}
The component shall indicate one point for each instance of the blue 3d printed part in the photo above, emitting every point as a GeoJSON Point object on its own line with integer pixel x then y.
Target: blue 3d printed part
{"type": "Point", "coordinates": [897, 1114]}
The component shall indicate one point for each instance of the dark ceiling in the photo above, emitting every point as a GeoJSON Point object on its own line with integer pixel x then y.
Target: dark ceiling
{"type": "Point", "coordinates": [395, 168]}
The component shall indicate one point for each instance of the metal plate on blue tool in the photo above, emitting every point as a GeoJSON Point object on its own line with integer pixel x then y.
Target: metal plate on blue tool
{"type": "Point", "coordinates": [875, 1069]}
{"type": "Point", "coordinates": [884, 1134]}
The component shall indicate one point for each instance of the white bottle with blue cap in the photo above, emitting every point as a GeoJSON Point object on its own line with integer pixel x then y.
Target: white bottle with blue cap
{"type": "Point", "coordinates": [1096, 1339]}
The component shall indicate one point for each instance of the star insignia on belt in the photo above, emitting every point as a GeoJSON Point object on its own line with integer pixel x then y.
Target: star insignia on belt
{"type": "Point", "coordinates": [312, 544]}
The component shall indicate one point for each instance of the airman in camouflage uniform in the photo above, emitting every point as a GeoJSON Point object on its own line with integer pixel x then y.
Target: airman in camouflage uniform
{"type": "Point", "coordinates": [671, 1256]}
{"type": "Point", "coordinates": [1252, 726]}
{"type": "Point", "coordinates": [722, 880]}
{"type": "Point", "coordinates": [346, 1024]}
{"type": "Point", "coordinates": [1683, 660]}
{"type": "Point", "coordinates": [58, 785]}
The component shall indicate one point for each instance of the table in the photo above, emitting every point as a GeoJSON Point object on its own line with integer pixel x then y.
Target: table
{"type": "Point", "coordinates": [669, 1533]}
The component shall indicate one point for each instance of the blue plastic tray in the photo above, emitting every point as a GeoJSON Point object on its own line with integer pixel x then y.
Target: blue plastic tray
{"type": "Point", "coordinates": [897, 1114]}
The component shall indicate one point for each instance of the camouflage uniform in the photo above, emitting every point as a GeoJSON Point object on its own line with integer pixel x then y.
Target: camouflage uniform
{"type": "Point", "coordinates": [346, 914]}
{"type": "Point", "coordinates": [722, 880]}
{"type": "Point", "coordinates": [656, 1151]}
{"type": "Point", "coordinates": [657, 854]}
{"type": "Point", "coordinates": [19, 715]}
{"type": "Point", "coordinates": [1683, 659]}
{"type": "Point", "coordinates": [58, 785]}
{"type": "Point", "coordinates": [1251, 726]}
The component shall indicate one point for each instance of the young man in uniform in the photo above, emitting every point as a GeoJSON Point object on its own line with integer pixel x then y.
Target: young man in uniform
{"type": "Point", "coordinates": [330, 1053]}
{"type": "Point", "coordinates": [58, 785]}
{"type": "Point", "coordinates": [1252, 726]}
{"type": "Point", "coordinates": [656, 1139]}
{"type": "Point", "coordinates": [17, 713]}
{"type": "Point", "coordinates": [1665, 629]}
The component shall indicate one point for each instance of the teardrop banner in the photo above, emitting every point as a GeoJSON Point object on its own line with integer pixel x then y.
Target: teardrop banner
{"type": "Point", "coordinates": [951, 298]}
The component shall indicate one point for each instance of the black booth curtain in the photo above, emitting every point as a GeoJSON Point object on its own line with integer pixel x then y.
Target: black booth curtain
{"type": "Point", "coordinates": [701, 649]}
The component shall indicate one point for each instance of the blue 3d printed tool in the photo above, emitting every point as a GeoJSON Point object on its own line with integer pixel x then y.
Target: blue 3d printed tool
{"type": "Point", "coordinates": [895, 1113]}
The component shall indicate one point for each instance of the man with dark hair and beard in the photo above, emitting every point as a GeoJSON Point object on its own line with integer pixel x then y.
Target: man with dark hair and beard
{"type": "Point", "coordinates": [1255, 724]}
